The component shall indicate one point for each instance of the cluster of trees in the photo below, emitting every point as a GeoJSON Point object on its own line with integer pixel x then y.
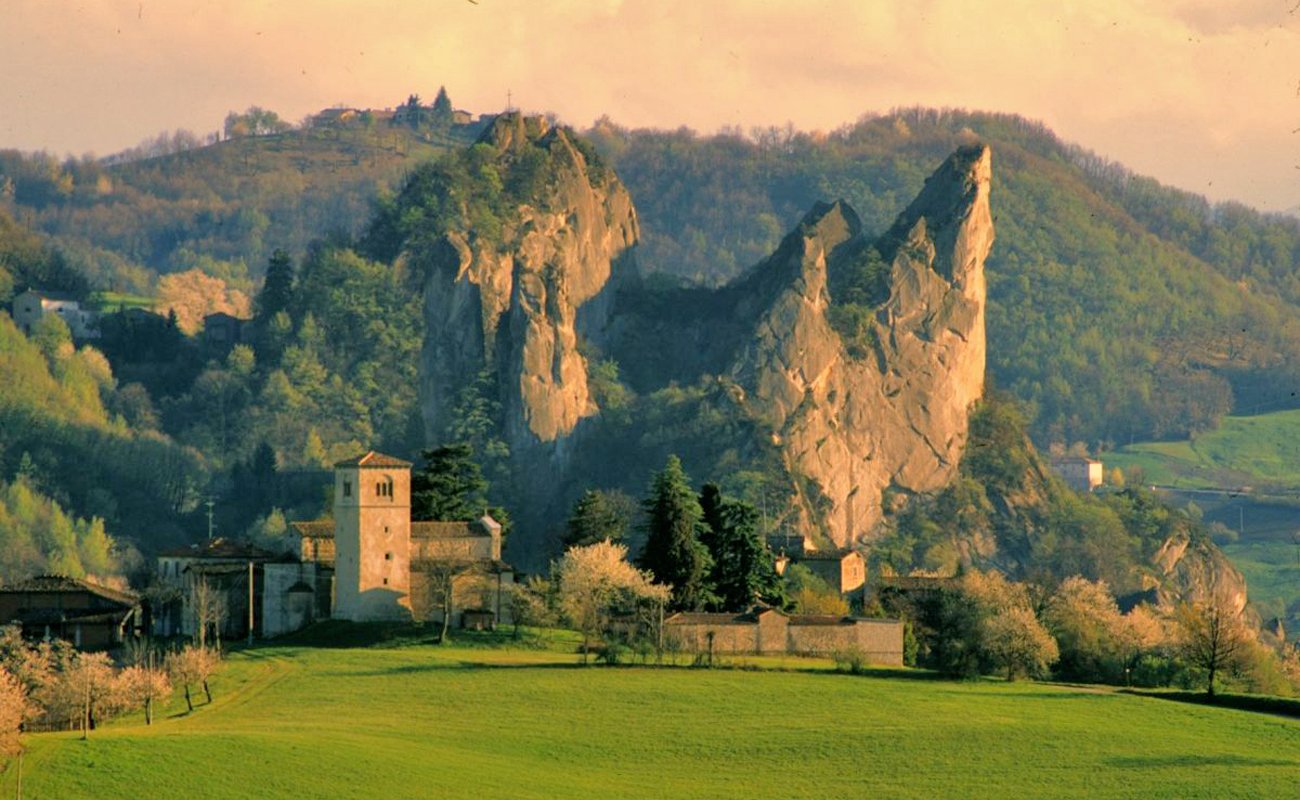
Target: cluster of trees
{"type": "Point", "coordinates": [706, 547]}
{"type": "Point", "coordinates": [67, 451]}
{"type": "Point", "coordinates": [51, 685]}
{"type": "Point", "coordinates": [984, 623]}
{"type": "Point", "coordinates": [437, 117]}
{"type": "Point", "coordinates": [1007, 510]}
{"type": "Point", "coordinates": [256, 121]}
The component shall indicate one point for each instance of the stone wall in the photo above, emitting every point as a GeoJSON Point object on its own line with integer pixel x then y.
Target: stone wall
{"type": "Point", "coordinates": [880, 641]}
{"type": "Point", "coordinates": [728, 637]}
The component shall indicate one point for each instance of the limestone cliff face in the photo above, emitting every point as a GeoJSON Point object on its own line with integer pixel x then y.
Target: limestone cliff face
{"type": "Point", "coordinates": [850, 428]}
{"type": "Point", "coordinates": [1187, 571]}
{"type": "Point", "coordinates": [510, 302]}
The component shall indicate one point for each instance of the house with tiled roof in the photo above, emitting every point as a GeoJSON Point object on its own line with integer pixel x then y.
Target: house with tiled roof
{"type": "Point", "coordinates": [90, 616]}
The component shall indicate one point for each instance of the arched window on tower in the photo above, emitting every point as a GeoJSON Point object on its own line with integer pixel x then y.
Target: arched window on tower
{"type": "Point", "coordinates": [384, 487]}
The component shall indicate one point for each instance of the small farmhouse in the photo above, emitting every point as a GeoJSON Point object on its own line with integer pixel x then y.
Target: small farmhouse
{"type": "Point", "coordinates": [33, 305]}
{"type": "Point", "coordinates": [766, 630]}
{"type": "Point", "coordinates": [843, 570]}
{"type": "Point", "coordinates": [1080, 474]}
{"type": "Point", "coordinates": [90, 616]}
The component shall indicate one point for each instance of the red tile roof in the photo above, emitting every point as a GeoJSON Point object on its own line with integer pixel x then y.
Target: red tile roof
{"type": "Point", "coordinates": [315, 529]}
{"type": "Point", "coordinates": [373, 459]}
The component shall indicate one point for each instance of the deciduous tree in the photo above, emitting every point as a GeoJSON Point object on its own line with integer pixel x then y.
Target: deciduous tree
{"type": "Point", "coordinates": [1211, 635]}
{"type": "Point", "coordinates": [597, 579]}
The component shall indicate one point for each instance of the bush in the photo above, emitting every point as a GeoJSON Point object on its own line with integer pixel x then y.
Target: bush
{"type": "Point", "coordinates": [852, 661]}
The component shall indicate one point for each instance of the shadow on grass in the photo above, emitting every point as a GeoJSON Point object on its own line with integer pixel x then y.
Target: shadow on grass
{"type": "Point", "coordinates": [1194, 760]}
{"type": "Point", "coordinates": [1261, 704]}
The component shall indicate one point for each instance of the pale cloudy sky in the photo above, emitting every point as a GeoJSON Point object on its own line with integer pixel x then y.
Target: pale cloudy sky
{"type": "Point", "coordinates": [1202, 94]}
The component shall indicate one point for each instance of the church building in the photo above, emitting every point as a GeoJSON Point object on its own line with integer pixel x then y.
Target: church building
{"type": "Point", "coordinates": [387, 567]}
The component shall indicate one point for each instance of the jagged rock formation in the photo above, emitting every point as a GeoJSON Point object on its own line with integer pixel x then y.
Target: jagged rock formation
{"type": "Point", "coordinates": [508, 303]}
{"type": "Point", "coordinates": [1195, 571]}
{"type": "Point", "coordinates": [844, 427]}
{"type": "Point", "coordinates": [851, 428]}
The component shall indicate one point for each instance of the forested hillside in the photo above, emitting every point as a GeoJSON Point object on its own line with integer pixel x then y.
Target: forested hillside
{"type": "Point", "coordinates": [1118, 309]}
{"type": "Point", "coordinates": [222, 208]}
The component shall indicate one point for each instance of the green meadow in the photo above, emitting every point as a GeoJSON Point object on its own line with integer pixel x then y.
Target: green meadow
{"type": "Point", "coordinates": [1261, 451]}
{"type": "Point", "coordinates": [463, 721]}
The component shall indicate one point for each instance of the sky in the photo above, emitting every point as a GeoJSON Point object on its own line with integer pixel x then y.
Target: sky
{"type": "Point", "coordinates": [1200, 94]}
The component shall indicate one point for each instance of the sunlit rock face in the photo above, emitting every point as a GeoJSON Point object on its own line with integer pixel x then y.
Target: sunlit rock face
{"type": "Point", "coordinates": [509, 303]}
{"type": "Point", "coordinates": [850, 428]}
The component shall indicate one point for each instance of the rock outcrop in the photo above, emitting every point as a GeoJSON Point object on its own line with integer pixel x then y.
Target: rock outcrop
{"type": "Point", "coordinates": [851, 428]}
{"type": "Point", "coordinates": [508, 303]}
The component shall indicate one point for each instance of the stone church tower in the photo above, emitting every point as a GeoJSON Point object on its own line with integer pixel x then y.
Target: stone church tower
{"type": "Point", "coordinates": [372, 535]}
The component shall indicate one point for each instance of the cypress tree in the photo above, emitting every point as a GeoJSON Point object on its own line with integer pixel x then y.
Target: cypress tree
{"type": "Point", "coordinates": [673, 552]}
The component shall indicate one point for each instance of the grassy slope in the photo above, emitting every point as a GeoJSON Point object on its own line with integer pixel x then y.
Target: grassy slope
{"type": "Point", "coordinates": [1260, 451]}
{"type": "Point", "coordinates": [420, 721]}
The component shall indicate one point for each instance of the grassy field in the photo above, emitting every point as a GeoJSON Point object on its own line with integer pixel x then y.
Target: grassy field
{"type": "Point", "coordinates": [1262, 452]}
{"type": "Point", "coordinates": [420, 721]}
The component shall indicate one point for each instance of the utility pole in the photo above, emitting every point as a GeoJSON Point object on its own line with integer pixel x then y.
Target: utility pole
{"type": "Point", "coordinates": [210, 504]}
{"type": "Point", "coordinates": [250, 602]}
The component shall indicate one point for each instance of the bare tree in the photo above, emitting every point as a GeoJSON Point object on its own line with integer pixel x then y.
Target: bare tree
{"type": "Point", "coordinates": [528, 603]}
{"type": "Point", "coordinates": [83, 693]}
{"type": "Point", "coordinates": [442, 577]}
{"type": "Point", "coordinates": [14, 709]}
{"type": "Point", "coordinates": [191, 666]}
{"type": "Point", "coordinates": [1212, 635]}
{"type": "Point", "coordinates": [145, 681]}
{"type": "Point", "coordinates": [208, 607]}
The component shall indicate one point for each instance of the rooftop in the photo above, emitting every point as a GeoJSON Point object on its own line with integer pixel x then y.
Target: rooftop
{"type": "Point", "coordinates": [62, 583]}
{"type": "Point", "coordinates": [372, 459]}
{"type": "Point", "coordinates": [219, 548]}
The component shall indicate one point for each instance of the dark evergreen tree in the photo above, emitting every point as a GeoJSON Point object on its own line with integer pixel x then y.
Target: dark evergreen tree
{"type": "Point", "coordinates": [450, 485]}
{"type": "Point", "coordinates": [673, 552]}
{"type": "Point", "coordinates": [277, 291]}
{"type": "Point", "coordinates": [599, 515]}
{"type": "Point", "coordinates": [744, 570]}
{"type": "Point", "coordinates": [443, 114]}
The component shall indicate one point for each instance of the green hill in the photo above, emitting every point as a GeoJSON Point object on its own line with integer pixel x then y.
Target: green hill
{"type": "Point", "coordinates": [1261, 452]}
{"type": "Point", "coordinates": [1245, 476]}
{"type": "Point", "coordinates": [428, 722]}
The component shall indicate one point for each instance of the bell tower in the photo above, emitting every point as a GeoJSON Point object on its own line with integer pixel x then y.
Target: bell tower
{"type": "Point", "coordinates": [372, 538]}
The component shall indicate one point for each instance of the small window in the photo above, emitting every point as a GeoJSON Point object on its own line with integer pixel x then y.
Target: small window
{"type": "Point", "coordinates": [385, 581]}
{"type": "Point", "coordinates": [388, 556]}
{"type": "Point", "coordinates": [347, 488]}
